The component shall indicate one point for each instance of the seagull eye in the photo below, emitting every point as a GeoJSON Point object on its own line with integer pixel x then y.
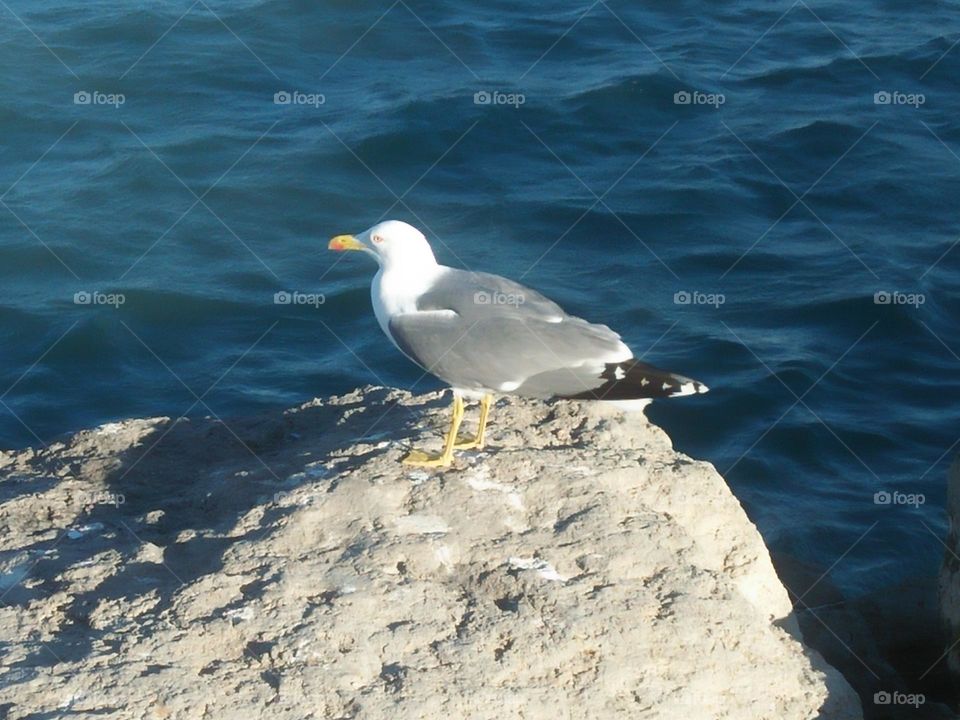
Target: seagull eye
{"type": "Point", "coordinates": [377, 239]}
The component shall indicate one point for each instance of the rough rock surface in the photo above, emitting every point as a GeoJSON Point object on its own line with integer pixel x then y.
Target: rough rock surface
{"type": "Point", "coordinates": [289, 567]}
{"type": "Point", "coordinates": [949, 586]}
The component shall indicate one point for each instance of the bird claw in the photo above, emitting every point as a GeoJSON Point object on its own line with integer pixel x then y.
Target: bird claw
{"type": "Point", "coordinates": [464, 443]}
{"type": "Point", "coordinates": [418, 458]}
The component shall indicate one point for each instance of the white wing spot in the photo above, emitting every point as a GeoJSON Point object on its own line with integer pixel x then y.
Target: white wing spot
{"type": "Point", "coordinates": [644, 382]}
{"type": "Point", "coordinates": [666, 386]}
{"type": "Point", "coordinates": [619, 374]}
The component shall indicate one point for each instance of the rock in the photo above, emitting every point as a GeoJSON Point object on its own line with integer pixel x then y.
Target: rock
{"type": "Point", "coordinates": [579, 567]}
{"type": "Point", "coordinates": [949, 585]}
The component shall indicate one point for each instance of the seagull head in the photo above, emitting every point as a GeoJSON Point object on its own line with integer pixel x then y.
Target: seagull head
{"type": "Point", "coordinates": [392, 243]}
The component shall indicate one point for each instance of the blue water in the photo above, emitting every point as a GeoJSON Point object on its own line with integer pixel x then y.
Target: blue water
{"type": "Point", "coordinates": [697, 198]}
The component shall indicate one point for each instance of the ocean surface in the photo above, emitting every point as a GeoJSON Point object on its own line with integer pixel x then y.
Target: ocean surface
{"type": "Point", "coordinates": [761, 195]}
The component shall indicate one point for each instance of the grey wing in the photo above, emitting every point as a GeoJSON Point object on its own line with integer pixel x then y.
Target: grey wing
{"type": "Point", "coordinates": [529, 347]}
{"type": "Point", "coordinates": [473, 295]}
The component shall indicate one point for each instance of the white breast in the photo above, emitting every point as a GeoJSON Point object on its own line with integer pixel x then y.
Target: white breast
{"type": "Point", "coordinates": [394, 292]}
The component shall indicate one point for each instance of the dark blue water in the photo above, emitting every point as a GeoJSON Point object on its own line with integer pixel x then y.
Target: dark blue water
{"type": "Point", "coordinates": [797, 199]}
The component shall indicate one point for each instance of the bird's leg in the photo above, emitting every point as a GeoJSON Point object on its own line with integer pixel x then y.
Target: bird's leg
{"type": "Point", "coordinates": [422, 459]}
{"type": "Point", "coordinates": [477, 442]}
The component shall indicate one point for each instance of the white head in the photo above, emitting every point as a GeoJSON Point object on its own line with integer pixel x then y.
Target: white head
{"type": "Point", "coordinates": [393, 243]}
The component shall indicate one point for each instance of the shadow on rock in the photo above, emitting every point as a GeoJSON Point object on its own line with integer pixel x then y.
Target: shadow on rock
{"type": "Point", "coordinates": [158, 507]}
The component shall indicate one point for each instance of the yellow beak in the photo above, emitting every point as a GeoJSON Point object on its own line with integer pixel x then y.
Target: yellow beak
{"type": "Point", "coordinates": [345, 242]}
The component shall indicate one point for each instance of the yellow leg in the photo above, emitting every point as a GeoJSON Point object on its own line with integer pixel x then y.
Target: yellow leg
{"type": "Point", "coordinates": [477, 442]}
{"type": "Point", "coordinates": [422, 459]}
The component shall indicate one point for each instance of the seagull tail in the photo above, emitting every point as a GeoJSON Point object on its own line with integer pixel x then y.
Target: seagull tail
{"type": "Point", "coordinates": [634, 380]}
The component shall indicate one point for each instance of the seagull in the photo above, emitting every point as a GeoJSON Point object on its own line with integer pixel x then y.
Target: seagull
{"type": "Point", "coordinates": [483, 334]}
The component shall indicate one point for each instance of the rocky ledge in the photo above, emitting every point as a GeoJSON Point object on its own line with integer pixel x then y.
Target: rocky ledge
{"type": "Point", "coordinates": [288, 566]}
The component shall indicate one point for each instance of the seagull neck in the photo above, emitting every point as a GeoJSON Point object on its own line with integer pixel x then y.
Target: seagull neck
{"type": "Point", "coordinates": [420, 266]}
{"type": "Point", "coordinates": [399, 284]}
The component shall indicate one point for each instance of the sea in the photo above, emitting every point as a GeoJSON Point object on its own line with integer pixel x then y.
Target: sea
{"type": "Point", "coordinates": [760, 195]}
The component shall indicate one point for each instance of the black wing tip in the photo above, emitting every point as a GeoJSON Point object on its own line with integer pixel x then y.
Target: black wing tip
{"type": "Point", "coordinates": [634, 380]}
